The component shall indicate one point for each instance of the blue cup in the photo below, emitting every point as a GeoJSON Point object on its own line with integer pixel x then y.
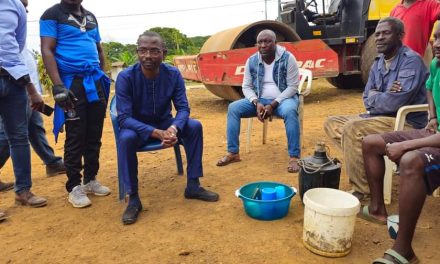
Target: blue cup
{"type": "Point", "coordinates": [281, 192]}
{"type": "Point", "coordinates": [268, 194]}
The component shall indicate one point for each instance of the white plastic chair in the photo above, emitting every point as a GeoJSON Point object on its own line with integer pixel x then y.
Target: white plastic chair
{"type": "Point", "coordinates": [304, 75]}
{"type": "Point", "coordinates": [389, 165]}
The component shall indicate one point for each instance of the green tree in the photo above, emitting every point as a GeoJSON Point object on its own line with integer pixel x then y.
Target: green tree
{"type": "Point", "coordinates": [113, 49]}
{"type": "Point", "coordinates": [126, 57]}
{"type": "Point", "coordinates": [46, 82]}
{"type": "Point", "coordinates": [116, 51]}
{"type": "Point", "coordinates": [176, 42]}
{"type": "Point", "coordinates": [131, 48]}
{"type": "Point", "coordinates": [198, 42]}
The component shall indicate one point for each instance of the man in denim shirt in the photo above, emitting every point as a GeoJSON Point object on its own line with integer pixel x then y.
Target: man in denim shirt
{"type": "Point", "coordinates": [397, 78]}
{"type": "Point", "coordinates": [14, 82]}
{"type": "Point", "coordinates": [270, 86]}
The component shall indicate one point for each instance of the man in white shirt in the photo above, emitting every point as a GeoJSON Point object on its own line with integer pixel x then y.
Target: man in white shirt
{"type": "Point", "coordinates": [270, 87]}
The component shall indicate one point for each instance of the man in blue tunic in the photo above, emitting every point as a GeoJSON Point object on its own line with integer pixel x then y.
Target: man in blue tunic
{"type": "Point", "coordinates": [74, 59]}
{"type": "Point", "coordinates": [144, 93]}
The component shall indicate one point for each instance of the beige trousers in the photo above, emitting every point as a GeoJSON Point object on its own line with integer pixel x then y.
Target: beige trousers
{"type": "Point", "coordinates": [347, 132]}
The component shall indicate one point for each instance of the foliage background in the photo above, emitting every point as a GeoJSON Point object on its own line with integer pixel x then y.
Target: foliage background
{"type": "Point", "coordinates": [176, 42]}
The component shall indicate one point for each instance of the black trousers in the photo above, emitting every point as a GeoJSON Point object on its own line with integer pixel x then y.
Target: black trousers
{"type": "Point", "coordinates": [83, 136]}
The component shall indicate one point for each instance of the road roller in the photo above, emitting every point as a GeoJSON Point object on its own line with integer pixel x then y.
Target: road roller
{"type": "Point", "coordinates": [334, 42]}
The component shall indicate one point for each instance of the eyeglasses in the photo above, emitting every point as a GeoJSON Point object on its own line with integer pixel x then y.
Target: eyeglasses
{"type": "Point", "coordinates": [152, 52]}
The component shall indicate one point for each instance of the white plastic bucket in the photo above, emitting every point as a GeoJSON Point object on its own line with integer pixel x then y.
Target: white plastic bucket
{"type": "Point", "coordinates": [329, 218]}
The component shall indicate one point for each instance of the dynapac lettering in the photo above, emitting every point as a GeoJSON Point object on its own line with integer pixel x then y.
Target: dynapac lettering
{"type": "Point", "coordinates": [308, 64]}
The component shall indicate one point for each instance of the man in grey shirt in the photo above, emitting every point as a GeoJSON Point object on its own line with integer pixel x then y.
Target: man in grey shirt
{"type": "Point", "coordinates": [397, 78]}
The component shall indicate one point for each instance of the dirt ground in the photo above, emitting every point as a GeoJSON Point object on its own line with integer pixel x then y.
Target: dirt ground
{"type": "Point", "coordinates": [175, 230]}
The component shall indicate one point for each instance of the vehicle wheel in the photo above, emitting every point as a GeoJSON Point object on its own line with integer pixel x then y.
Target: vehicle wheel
{"type": "Point", "coordinates": [346, 81]}
{"type": "Point", "coordinates": [242, 37]}
{"type": "Point", "coordinates": [368, 54]}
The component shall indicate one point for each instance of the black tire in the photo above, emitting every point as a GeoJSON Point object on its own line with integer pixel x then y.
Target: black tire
{"type": "Point", "coordinates": [368, 54]}
{"type": "Point", "coordinates": [346, 81]}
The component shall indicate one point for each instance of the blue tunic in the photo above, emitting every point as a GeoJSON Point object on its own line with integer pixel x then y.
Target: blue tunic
{"type": "Point", "coordinates": [144, 103]}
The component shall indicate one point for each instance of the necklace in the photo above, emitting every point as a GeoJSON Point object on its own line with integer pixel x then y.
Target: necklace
{"type": "Point", "coordinates": [82, 25]}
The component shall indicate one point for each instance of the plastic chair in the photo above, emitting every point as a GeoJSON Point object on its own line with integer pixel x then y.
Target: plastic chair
{"type": "Point", "coordinates": [389, 165]}
{"type": "Point", "coordinates": [304, 75]}
{"type": "Point", "coordinates": [151, 145]}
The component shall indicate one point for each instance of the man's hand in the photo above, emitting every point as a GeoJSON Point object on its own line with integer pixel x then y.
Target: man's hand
{"type": "Point", "coordinates": [35, 99]}
{"type": "Point", "coordinates": [395, 88]}
{"type": "Point", "coordinates": [432, 125]}
{"type": "Point", "coordinates": [395, 151]}
{"type": "Point", "coordinates": [260, 112]}
{"type": "Point", "coordinates": [63, 97]}
{"type": "Point", "coordinates": [167, 137]}
{"type": "Point", "coordinates": [268, 111]}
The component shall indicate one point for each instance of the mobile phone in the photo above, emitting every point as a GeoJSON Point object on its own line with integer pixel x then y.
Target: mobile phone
{"type": "Point", "coordinates": [46, 110]}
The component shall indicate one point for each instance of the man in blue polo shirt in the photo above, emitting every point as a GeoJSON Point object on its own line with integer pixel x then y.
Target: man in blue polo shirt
{"type": "Point", "coordinates": [14, 82]}
{"type": "Point", "coordinates": [74, 59]}
{"type": "Point", "coordinates": [144, 93]}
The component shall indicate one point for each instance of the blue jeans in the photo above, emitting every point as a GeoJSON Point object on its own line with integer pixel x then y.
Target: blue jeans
{"type": "Point", "coordinates": [13, 107]}
{"type": "Point", "coordinates": [37, 138]}
{"type": "Point", "coordinates": [287, 110]}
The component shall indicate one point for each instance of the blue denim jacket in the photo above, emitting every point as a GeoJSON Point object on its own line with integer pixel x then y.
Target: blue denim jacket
{"type": "Point", "coordinates": [285, 75]}
{"type": "Point", "coordinates": [408, 68]}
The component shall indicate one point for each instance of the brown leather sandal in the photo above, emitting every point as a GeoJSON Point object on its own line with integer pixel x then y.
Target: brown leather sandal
{"type": "Point", "coordinates": [228, 158]}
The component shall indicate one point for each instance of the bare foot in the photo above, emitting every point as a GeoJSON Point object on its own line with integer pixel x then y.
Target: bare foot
{"type": "Point", "coordinates": [293, 165]}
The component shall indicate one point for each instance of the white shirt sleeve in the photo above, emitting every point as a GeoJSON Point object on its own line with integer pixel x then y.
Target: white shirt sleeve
{"type": "Point", "coordinates": [31, 64]}
{"type": "Point", "coordinates": [292, 80]}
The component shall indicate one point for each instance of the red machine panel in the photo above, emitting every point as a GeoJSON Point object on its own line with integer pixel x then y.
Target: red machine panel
{"type": "Point", "coordinates": [188, 67]}
{"type": "Point", "coordinates": [227, 67]}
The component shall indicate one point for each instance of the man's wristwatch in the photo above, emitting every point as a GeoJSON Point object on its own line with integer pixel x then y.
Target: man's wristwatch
{"type": "Point", "coordinates": [255, 102]}
{"type": "Point", "coordinates": [175, 129]}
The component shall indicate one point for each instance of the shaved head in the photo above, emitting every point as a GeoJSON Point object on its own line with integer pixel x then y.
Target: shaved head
{"type": "Point", "coordinates": [152, 34]}
{"type": "Point", "coordinates": [267, 33]}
